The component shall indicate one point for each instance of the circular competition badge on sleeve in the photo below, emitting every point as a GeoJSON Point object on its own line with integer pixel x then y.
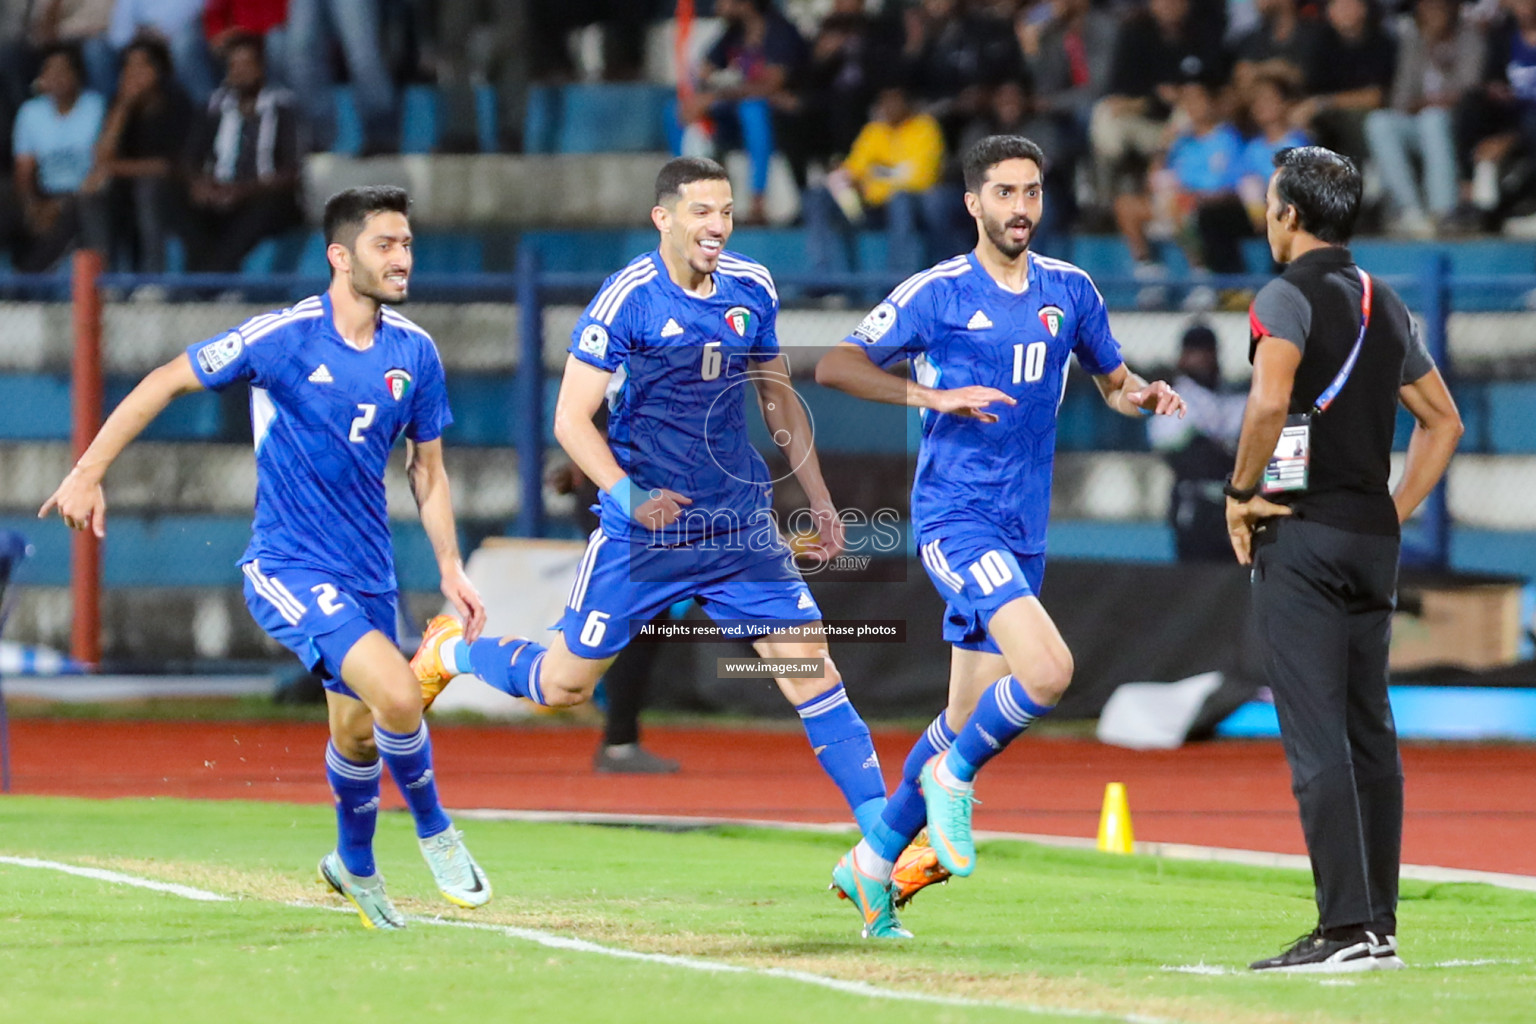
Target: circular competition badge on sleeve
{"type": "Point", "coordinates": [216, 355]}
{"type": "Point", "coordinates": [594, 341]}
{"type": "Point", "coordinates": [876, 323]}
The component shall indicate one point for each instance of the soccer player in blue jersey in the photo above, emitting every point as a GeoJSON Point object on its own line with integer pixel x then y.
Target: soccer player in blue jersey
{"type": "Point", "coordinates": [334, 381]}
{"type": "Point", "coordinates": [674, 343]}
{"type": "Point", "coordinates": [988, 334]}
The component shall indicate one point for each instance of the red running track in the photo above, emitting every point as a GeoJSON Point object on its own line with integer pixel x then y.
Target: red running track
{"type": "Point", "coordinates": [1467, 806]}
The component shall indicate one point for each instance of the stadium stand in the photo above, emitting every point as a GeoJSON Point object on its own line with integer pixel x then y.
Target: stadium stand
{"type": "Point", "coordinates": [568, 205]}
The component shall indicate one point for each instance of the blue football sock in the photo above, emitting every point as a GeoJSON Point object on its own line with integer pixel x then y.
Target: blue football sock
{"type": "Point", "coordinates": [1001, 716]}
{"type": "Point", "coordinates": [355, 788]}
{"type": "Point", "coordinates": [511, 666]}
{"type": "Point", "coordinates": [905, 813]}
{"type": "Point", "coordinates": [842, 744]}
{"type": "Point", "coordinates": [409, 756]}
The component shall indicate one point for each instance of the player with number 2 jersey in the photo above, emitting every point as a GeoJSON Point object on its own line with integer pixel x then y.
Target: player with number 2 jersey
{"type": "Point", "coordinates": [335, 381]}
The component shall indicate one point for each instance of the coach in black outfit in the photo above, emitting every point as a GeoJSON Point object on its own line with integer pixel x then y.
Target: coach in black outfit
{"type": "Point", "coordinates": [1308, 507]}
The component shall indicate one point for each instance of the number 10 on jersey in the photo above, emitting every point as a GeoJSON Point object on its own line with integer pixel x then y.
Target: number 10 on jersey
{"type": "Point", "coordinates": [1028, 362]}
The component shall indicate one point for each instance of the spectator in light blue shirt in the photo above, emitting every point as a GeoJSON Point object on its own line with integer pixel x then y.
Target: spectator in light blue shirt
{"type": "Point", "coordinates": [1270, 100]}
{"type": "Point", "coordinates": [1196, 187]}
{"type": "Point", "coordinates": [53, 140]}
{"type": "Point", "coordinates": [179, 23]}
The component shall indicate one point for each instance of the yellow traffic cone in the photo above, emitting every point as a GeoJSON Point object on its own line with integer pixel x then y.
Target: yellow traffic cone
{"type": "Point", "coordinates": [1115, 834]}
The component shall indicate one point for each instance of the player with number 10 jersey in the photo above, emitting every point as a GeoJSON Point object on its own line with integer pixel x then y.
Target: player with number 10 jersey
{"type": "Point", "coordinates": [989, 335]}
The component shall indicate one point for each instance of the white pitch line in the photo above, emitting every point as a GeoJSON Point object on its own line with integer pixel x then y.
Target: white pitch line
{"type": "Point", "coordinates": [1171, 851]}
{"type": "Point", "coordinates": [186, 892]}
{"type": "Point", "coordinates": [575, 945]}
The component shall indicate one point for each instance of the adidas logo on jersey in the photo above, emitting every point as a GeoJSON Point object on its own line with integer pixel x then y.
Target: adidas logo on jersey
{"type": "Point", "coordinates": [671, 330]}
{"type": "Point", "coordinates": [805, 601]}
{"type": "Point", "coordinates": [978, 321]}
{"type": "Point", "coordinates": [322, 375]}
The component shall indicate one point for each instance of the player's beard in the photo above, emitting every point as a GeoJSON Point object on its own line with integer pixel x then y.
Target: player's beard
{"type": "Point", "coordinates": [371, 285]}
{"type": "Point", "coordinates": [997, 233]}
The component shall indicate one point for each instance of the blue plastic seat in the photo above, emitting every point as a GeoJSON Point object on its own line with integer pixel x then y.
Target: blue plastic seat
{"type": "Point", "coordinates": [349, 123]}
{"type": "Point", "coordinates": [607, 117]}
{"type": "Point", "coordinates": [420, 119]}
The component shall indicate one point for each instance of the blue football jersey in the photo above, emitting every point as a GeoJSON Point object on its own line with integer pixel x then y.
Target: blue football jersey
{"type": "Point", "coordinates": [324, 417]}
{"type": "Point", "coordinates": [960, 328]}
{"type": "Point", "coordinates": [681, 370]}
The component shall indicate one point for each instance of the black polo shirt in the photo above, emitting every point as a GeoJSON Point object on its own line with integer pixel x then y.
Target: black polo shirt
{"type": "Point", "coordinates": [1315, 305]}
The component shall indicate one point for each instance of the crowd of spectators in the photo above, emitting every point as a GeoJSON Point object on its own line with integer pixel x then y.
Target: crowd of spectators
{"type": "Point", "coordinates": [1159, 117]}
{"type": "Point", "coordinates": [128, 121]}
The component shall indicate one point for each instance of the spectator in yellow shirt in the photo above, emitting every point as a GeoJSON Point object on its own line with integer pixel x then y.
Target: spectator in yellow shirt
{"type": "Point", "coordinates": [891, 179]}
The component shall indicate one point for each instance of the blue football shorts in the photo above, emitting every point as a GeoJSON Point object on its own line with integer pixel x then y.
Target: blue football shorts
{"type": "Point", "coordinates": [317, 616]}
{"type": "Point", "coordinates": [623, 584]}
{"type": "Point", "coordinates": [976, 572]}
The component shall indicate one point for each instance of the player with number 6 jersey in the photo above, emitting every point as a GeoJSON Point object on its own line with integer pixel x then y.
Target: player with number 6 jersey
{"type": "Point", "coordinates": [335, 381]}
{"type": "Point", "coordinates": [989, 335]}
{"type": "Point", "coordinates": [675, 344]}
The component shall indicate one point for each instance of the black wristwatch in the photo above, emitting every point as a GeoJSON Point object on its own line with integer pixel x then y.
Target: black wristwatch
{"type": "Point", "coordinates": [1238, 493]}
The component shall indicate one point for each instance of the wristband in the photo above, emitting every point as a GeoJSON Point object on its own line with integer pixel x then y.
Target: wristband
{"type": "Point", "coordinates": [627, 495]}
{"type": "Point", "coordinates": [1238, 493]}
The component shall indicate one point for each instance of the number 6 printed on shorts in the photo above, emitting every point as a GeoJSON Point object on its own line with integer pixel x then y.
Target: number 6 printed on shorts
{"type": "Point", "coordinates": [594, 628]}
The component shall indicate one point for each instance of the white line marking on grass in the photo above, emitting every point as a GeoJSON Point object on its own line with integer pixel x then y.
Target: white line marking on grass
{"type": "Point", "coordinates": [1201, 968]}
{"type": "Point", "coordinates": [117, 878]}
{"type": "Point", "coordinates": [575, 945]}
{"type": "Point", "coordinates": [1172, 851]}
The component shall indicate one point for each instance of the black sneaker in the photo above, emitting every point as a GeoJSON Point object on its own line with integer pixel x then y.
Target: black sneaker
{"type": "Point", "coordinates": [1384, 951]}
{"type": "Point", "coordinates": [1316, 955]}
{"type": "Point", "coordinates": [631, 759]}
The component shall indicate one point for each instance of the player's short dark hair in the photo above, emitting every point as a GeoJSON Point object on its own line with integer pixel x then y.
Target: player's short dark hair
{"type": "Point", "coordinates": [993, 150]}
{"type": "Point", "coordinates": [346, 212]}
{"type": "Point", "coordinates": [1324, 187]}
{"type": "Point", "coordinates": [71, 54]}
{"type": "Point", "coordinates": [684, 171]}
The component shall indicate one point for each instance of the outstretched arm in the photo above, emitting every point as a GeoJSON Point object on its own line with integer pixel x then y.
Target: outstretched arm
{"type": "Point", "coordinates": [848, 368]}
{"type": "Point", "coordinates": [429, 486]}
{"type": "Point", "coordinates": [790, 427]}
{"type": "Point", "coordinates": [79, 498]}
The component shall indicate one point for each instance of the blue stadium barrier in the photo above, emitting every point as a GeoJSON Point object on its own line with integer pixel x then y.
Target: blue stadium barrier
{"type": "Point", "coordinates": [1422, 712]}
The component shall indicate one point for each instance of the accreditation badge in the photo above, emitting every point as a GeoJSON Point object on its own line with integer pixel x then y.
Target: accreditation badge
{"type": "Point", "coordinates": [1287, 468]}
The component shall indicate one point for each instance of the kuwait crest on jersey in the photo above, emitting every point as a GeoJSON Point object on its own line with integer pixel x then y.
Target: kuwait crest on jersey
{"type": "Point", "coordinates": [398, 382]}
{"type": "Point", "coordinates": [740, 318]}
{"type": "Point", "coordinates": [1052, 317]}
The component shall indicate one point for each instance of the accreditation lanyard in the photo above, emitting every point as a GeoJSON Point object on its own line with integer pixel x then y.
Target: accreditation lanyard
{"type": "Point", "coordinates": [1289, 466]}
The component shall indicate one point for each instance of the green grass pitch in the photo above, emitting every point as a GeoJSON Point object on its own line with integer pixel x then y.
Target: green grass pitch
{"type": "Point", "coordinates": [1038, 934]}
